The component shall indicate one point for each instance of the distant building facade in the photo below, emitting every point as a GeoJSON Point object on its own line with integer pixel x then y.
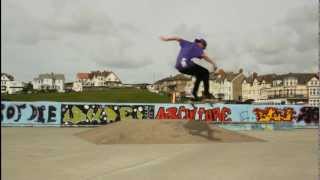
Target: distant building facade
{"type": "Point", "coordinates": [255, 87]}
{"type": "Point", "coordinates": [49, 81]}
{"type": "Point", "coordinates": [226, 85]}
{"type": "Point", "coordinates": [290, 88]}
{"type": "Point", "coordinates": [9, 85]}
{"type": "Point", "coordinates": [96, 79]}
{"type": "Point", "coordinates": [314, 91]}
{"type": "Point", "coordinates": [179, 83]}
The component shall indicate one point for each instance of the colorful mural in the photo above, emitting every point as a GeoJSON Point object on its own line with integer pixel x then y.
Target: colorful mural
{"type": "Point", "coordinates": [82, 114]}
{"type": "Point", "coordinates": [55, 113]}
{"type": "Point", "coordinates": [194, 113]}
{"type": "Point", "coordinates": [274, 114]}
{"type": "Point", "coordinates": [30, 113]}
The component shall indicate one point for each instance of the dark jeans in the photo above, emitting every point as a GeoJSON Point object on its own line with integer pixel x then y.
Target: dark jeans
{"type": "Point", "coordinates": [201, 74]}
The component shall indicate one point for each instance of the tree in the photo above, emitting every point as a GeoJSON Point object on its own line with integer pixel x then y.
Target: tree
{"type": "Point", "coordinates": [27, 88]}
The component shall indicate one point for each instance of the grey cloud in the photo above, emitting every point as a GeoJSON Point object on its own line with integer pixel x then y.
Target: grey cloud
{"type": "Point", "coordinates": [84, 21]}
{"type": "Point", "coordinates": [81, 35]}
{"type": "Point", "coordinates": [290, 42]}
{"type": "Point", "coordinates": [120, 53]}
{"type": "Point", "coordinates": [123, 62]}
{"type": "Point", "coordinates": [188, 32]}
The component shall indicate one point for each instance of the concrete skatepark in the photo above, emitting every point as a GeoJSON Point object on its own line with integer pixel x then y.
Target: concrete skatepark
{"type": "Point", "coordinates": [60, 153]}
{"type": "Point", "coordinates": [147, 141]}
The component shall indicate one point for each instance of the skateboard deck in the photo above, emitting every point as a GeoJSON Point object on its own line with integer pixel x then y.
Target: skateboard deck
{"type": "Point", "coordinates": [203, 101]}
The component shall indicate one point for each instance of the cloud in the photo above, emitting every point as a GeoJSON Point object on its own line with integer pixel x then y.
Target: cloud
{"type": "Point", "coordinates": [83, 30]}
{"type": "Point", "coordinates": [290, 42]}
{"type": "Point", "coordinates": [85, 21]}
{"type": "Point", "coordinates": [72, 36]}
{"type": "Point", "coordinates": [281, 48]}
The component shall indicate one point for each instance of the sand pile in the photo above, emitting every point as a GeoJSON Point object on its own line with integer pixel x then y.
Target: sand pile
{"type": "Point", "coordinates": [161, 132]}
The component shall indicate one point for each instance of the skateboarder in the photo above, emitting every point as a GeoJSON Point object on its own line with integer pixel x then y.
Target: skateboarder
{"type": "Point", "coordinates": [184, 64]}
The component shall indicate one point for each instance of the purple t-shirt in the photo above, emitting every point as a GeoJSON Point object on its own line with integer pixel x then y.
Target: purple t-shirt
{"type": "Point", "coordinates": [188, 51]}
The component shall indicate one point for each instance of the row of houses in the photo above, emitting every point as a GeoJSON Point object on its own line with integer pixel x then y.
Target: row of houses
{"type": "Point", "coordinates": [53, 81]}
{"type": "Point", "coordinates": [96, 79]}
{"type": "Point", "coordinates": [290, 88]}
{"type": "Point", "coordinates": [9, 85]}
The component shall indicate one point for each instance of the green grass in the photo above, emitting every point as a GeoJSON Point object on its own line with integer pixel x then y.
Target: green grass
{"type": "Point", "coordinates": [110, 95]}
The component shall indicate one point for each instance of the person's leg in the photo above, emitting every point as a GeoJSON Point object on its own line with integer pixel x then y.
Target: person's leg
{"type": "Point", "coordinates": [202, 74]}
{"type": "Point", "coordinates": [193, 72]}
{"type": "Point", "coordinates": [196, 86]}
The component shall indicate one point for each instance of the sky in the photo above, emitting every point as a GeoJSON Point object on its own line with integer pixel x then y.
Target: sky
{"type": "Point", "coordinates": [71, 36]}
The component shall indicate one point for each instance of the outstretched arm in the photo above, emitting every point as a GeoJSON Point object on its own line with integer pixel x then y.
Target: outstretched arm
{"type": "Point", "coordinates": [206, 57]}
{"type": "Point", "coordinates": [170, 38]}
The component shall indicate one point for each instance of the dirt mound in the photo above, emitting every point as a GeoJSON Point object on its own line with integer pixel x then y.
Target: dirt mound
{"type": "Point", "coordinates": [161, 132]}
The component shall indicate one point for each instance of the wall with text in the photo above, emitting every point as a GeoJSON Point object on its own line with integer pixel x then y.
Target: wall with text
{"type": "Point", "coordinates": [62, 113]}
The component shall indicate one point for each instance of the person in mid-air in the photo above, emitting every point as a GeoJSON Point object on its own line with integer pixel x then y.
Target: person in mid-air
{"type": "Point", "coordinates": [185, 65]}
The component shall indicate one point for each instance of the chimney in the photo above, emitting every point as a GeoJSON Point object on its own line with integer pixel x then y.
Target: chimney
{"type": "Point", "coordinates": [240, 70]}
{"type": "Point", "coordinates": [254, 75]}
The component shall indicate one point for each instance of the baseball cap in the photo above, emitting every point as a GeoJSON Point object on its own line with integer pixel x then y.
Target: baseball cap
{"type": "Point", "coordinates": [202, 41]}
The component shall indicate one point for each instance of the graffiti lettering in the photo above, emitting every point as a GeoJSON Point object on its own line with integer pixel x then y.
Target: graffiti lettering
{"type": "Point", "coordinates": [28, 113]}
{"type": "Point", "coordinates": [309, 115]}
{"type": "Point", "coordinates": [2, 109]}
{"type": "Point", "coordinates": [10, 112]}
{"type": "Point", "coordinates": [274, 114]}
{"type": "Point", "coordinates": [52, 114]}
{"type": "Point", "coordinates": [23, 106]}
{"type": "Point", "coordinates": [202, 114]}
{"type": "Point", "coordinates": [244, 116]}
{"type": "Point", "coordinates": [104, 114]}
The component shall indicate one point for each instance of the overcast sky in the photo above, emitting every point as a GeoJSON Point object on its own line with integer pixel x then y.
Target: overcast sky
{"type": "Point", "coordinates": [70, 36]}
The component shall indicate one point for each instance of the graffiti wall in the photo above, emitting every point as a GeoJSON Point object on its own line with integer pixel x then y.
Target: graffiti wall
{"type": "Point", "coordinates": [282, 116]}
{"type": "Point", "coordinates": [190, 112]}
{"type": "Point", "coordinates": [94, 114]}
{"type": "Point", "coordinates": [36, 113]}
{"type": "Point", "coordinates": [231, 113]}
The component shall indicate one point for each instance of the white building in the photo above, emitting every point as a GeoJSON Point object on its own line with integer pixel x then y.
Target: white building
{"type": "Point", "coordinates": [255, 87]}
{"type": "Point", "coordinates": [314, 91]}
{"type": "Point", "coordinates": [180, 84]}
{"type": "Point", "coordinates": [4, 79]}
{"type": "Point", "coordinates": [226, 85]}
{"type": "Point", "coordinates": [77, 86]}
{"type": "Point", "coordinates": [14, 86]}
{"type": "Point", "coordinates": [96, 79]}
{"type": "Point", "coordinates": [290, 88]}
{"type": "Point", "coordinates": [9, 85]}
{"type": "Point", "coordinates": [49, 82]}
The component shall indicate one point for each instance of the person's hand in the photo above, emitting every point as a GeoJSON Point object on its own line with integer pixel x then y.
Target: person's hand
{"type": "Point", "coordinates": [163, 38]}
{"type": "Point", "coordinates": [214, 67]}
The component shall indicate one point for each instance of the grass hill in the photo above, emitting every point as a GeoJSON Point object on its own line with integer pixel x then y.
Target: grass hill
{"type": "Point", "coordinates": [110, 95]}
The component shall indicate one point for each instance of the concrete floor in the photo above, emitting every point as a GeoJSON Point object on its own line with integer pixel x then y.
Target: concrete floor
{"type": "Point", "coordinates": [55, 153]}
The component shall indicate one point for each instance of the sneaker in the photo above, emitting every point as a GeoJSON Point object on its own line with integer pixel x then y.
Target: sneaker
{"type": "Point", "coordinates": [208, 96]}
{"type": "Point", "coordinates": [195, 97]}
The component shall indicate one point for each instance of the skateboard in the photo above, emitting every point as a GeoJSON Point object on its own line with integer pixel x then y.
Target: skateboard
{"type": "Point", "coordinates": [203, 100]}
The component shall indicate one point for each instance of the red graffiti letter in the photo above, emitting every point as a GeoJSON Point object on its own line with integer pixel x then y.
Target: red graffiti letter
{"type": "Point", "coordinates": [200, 113]}
{"type": "Point", "coordinates": [191, 114]}
{"type": "Point", "coordinates": [172, 113]}
{"type": "Point", "coordinates": [209, 116]}
{"type": "Point", "coordinates": [161, 114]}
{"type": "Point", "coordinates": [216, 114]}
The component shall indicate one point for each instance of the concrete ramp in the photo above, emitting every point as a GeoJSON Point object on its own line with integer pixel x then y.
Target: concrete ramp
{"type": "Point", "coordinates": [161, 132]}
